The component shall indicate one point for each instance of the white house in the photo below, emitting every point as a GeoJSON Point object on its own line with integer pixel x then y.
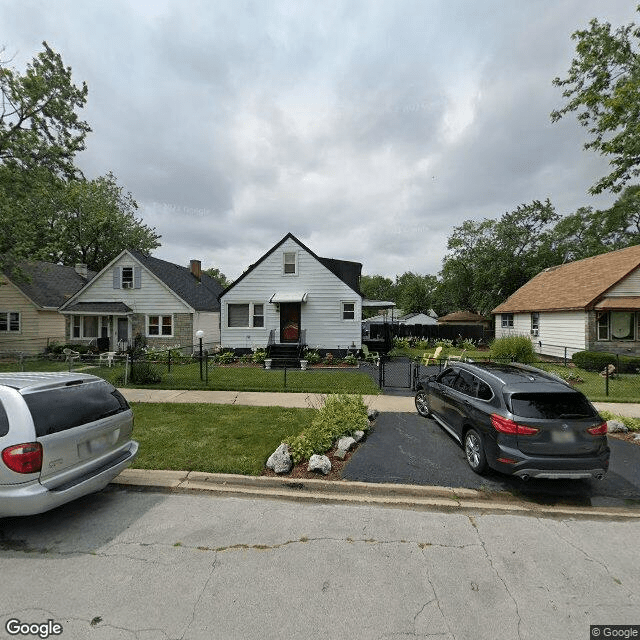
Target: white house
{"type": "Point", "coordinates": [292, 296]}
{"type": "Point", "coordinates": [136, 294]}
{"type": "Point", "coordinates": [591, 304]}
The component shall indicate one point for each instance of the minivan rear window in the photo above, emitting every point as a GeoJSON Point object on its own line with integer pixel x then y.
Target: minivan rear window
{"type": "Point", "coordinates": [4, 421]}
{"type": "Point", "coordinates": [64, 408]}
{"type": "Point", "coordinates": [551, 405]}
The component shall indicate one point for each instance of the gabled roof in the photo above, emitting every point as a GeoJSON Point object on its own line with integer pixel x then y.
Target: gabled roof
{"type": "Point", "coordinates": [461, 316]}
{"type": "Point", "coordinates": [48, 285]}
{"type": "Point", "coordinates": [201, 295]}
{"type": "Point", "coordinates": [348, 272]}
{"type": "Point", "coordinates": [575, 285]}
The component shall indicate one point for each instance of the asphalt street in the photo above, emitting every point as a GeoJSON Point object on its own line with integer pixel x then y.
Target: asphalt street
{"type": "Point", "coordinates": [127, 565]}
{"type": "Point", "coordinates": [407, 448]}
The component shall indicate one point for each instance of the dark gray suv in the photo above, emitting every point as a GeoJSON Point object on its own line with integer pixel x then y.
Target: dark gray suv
{"type": "Point", "coordinates": [517, 420]}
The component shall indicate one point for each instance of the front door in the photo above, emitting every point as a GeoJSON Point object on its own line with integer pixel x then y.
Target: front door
{"type": "Point", "coordinates": [123, 331]}
{"type": "Point", "coordinates": [289, 321]}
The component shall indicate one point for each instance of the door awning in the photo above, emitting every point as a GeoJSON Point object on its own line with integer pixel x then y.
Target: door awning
{"type": "Point", "coordinates": [289, 296]}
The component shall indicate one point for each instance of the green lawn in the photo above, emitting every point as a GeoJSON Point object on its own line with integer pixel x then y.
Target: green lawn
{"type": "Point", "coordinates": [212, 438]}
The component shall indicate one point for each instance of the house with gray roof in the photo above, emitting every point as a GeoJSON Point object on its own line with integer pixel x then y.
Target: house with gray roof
{"type": "Point", "coordinates": [292, 297]}
{"type": "Point", "coordinates": [30, 296]}
{"type": "Point", "coordinates": [139, 295]}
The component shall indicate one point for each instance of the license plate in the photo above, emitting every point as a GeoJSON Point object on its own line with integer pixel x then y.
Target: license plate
{"type": "Point", "coordinates": [563, 437]}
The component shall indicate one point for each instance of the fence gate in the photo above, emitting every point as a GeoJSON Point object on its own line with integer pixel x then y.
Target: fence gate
{"type": "Point", "coordinates": [398, 373]}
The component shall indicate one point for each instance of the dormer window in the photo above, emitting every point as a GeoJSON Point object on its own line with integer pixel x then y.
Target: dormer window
{"type": "Point", "coordinates": [127, 277]}
{"type": "Point", "coordinates": [290, 263]}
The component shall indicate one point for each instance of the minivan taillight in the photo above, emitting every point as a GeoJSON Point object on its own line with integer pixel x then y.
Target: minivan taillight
{"type": "Point", "coordinates": [504, 425]}
{"type": "Point", "coordinates": [23, 458]}
{"type": "Point", "coordinates": [600, 430]}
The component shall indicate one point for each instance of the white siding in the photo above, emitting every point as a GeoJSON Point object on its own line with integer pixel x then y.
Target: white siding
{"type": "Point", "coordinates": [209, 323]}
{"type": "Point", "coordinates": [152, 296]}
{"type": "Point", "coordinates": [321, 316]}
{"type": "Point", "coordinates": [557, 329]}
{"type": "Point", "coordinates": [630, 286]}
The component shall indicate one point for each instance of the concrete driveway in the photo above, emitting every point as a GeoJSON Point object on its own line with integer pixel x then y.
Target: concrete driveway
{"type": "Point", "coordinates": [406, 448]}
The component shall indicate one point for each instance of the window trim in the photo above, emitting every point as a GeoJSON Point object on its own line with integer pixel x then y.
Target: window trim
{"type": "Point", "coordinates": [8, 314]}
{"type": "Point", "coordinates": [251, 315]}
{"type": "Point", "coordinates": [161, 324]}
{"type": "Point", "coordinates": [343, 303]}
{"type": "Point", "coordinates": [285, 263]}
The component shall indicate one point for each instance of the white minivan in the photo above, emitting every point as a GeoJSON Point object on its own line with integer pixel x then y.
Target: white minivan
{"type": "Point", "coordinates": [62, 436]}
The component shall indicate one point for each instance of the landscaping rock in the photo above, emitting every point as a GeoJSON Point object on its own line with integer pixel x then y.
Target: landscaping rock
{"type": "Point", "coordinates": [636, 438]}
{"type": "Point", "coordinates": [373, 415]}
{"type": "Point", "coordinates": [358, 435]}
{"type": "Point", "coordinates": [340, 453]}
{"type": "Point", "coordinates": [344, 444]}
{"type": "Point", "coordinates": [614, 426]}
{"type": "Point", "coordinates": [319, 463]}
{"type": "Point", "coordinates": [280, 460]}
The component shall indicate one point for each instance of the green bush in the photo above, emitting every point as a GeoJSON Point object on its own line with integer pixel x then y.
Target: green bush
{"type": "Point", "coordinates": [312, 357]}
{"type": "Point", "coordinates": [145, 373]}
{"type": "Point", "coordinates": [515, 348]}
{"type": "Point", "coordinates": [259, 356]}
{"type": "Point", "coordinates": [633, 424]}
{"type": "Point", "coordinates": [598, 360]}
{"type": "Point", "coordinates": [226, 357]}
{"type": "Point", "coordinates": [341, 415]}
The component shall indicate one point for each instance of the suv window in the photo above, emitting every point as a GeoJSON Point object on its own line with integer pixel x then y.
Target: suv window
{"type": "Point", "coordinates": [64, 408]}
{"type": "Point", "coordinates": [448, 378]}
{"type": "Point", "coordinates": [551, 405]}
{"type": "Point", "coordinates": [484, 391]}
{"type": "Point", "coordinates": [4, 421]}
{"type": "Point", "coordinates": [465, 383]}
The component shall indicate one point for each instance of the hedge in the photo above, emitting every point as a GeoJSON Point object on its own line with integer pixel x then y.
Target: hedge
{"type": "Point", "coordinates": [598, 360]}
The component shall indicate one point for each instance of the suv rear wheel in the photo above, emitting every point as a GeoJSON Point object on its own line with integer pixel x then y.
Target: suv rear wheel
{"type": "Point", "coordinates": [474, 451]}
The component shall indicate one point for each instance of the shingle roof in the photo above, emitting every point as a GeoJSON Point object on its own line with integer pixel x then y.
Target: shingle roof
{"type": "Point", "coordinates": [461, 316]}
{"type": "Point", "coordinates": [46, 284]}
{"type": "Point", "coordinates": [576, 285]}
{"type": "Point", "coordinates": [99, 307]}
{"type": "Point", "coordinates": [201, 294]}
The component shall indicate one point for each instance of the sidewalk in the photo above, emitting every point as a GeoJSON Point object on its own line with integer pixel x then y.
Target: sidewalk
{"type": "Point", "coordinates": [395, 404]}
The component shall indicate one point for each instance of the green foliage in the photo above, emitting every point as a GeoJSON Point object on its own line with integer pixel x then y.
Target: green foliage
{"type": "Point", "coordinates": [633, 424]}
{"type": "Point", "coordinates": [312, 357]}
{"type": "Point", "coordinates": [145, 373]}
{"type": "Point", "coordinates": [259, 356]}
{"type": "Point", "coordinates": [341, 415]}
{"type": "Point", "coordinates": [401, 344]}
{"type": "Point", "coordinates": [225, 357]}
{"type": "Point", "coordinates": [603, 88]}
{"type": "Point", "coordinates": [445, 343]}
{"type": "Point", "coordinates": [350, 360]}
{"type": "Point", "coordinates": [515, 348]}
{"type": "Point", "coordinates": [593, 360]}
{"type": "Point", "coordinates": [218, 276]}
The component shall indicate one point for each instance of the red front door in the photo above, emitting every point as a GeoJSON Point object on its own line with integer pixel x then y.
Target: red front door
{"type": "Point", "coordinates": [289, 321]}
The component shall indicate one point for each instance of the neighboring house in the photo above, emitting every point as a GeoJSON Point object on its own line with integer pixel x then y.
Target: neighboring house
{"type": "Point", "coordinates": [465, 318]}
{"type": "Point", "coordinates": [292, 296]}
{"type": "Point", "coordinates": [411, 319]}
{"type": "Point", "coordinates": [136, 294]}
{"type": "Point", "coordinates": [29, 301]}
{"type": "Point", "coordinates": [591, 304]}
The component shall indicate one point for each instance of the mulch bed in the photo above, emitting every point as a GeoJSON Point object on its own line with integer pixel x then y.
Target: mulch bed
{"type": "Point", "coordinates": [628, 437]}
{"type": "Point", "coordinates": [300, 470]}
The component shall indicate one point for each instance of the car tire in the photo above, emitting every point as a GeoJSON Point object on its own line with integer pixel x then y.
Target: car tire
{"type": "Point", "coordinates": [474, 451]}
{"type": "Point", "coordinates": [422, 404]}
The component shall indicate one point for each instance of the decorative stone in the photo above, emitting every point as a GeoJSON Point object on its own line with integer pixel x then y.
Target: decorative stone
{"type": "Point", "coordinates": [373, 415]}
{"type": "Point", "coordinates": [358, 435]}
{"type": "Point", "coordinates": [319, 463]}
{"type": "Point", "coordinates": [346, 443]}
{"type": "Point", "coordinates": [636, 438]}
{"type": "Point", "coordinates": [614, 426]}
{"type": "Point", "coordinates": [280, 460]}
{"type": "Point", "coordinates": [340, 453]}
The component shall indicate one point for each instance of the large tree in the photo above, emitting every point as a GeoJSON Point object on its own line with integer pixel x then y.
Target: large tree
{"type": "Point", "coordinates": [39, 123]}
{"type": "Point", "coordinates": [603, 87]}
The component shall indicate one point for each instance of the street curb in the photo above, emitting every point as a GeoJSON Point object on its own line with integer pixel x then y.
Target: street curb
{"type": "Point", "coordinates": [401, 496]}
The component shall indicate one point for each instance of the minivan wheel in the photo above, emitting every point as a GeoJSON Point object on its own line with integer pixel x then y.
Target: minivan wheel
{"type": "Point", "coordinates": [422, 404]}
{"type": "Point", "coordinates": [474, 451]}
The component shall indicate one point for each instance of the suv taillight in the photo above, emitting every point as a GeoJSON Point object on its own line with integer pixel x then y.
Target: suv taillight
{"type": "Point", "coordinates": [600, 430]}
{"type": "Point", "coordinates": [504, 425]}
{"type": "Point", "coordinates": [23, 458]}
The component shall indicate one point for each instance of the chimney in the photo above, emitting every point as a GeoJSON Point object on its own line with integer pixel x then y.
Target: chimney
{"type": "Point", "coordinates": [81, 270]}
{"type": "Point", "coordinates": [196, 269]}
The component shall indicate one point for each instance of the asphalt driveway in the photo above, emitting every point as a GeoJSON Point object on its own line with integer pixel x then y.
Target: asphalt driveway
{"type": "Point", "coordinates": [406, 448]}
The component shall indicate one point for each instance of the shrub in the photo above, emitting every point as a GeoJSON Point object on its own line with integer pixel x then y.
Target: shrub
{"type": "Point", "coordinates": [633, 424]}
{"type": "Point", "coordinates": [444, 343]}
{"type": "Point", "coordinates": [467, 344]}
{"type": "Point", "coordinates": [226, 357]}
{"type": "Point", "coordinates": [259, 356]}
{"type": "Point", "coordinates": [312, 357]}
{"type": "Point", "coordinates": [341, 415]}
{"type": "Point", "coordinates": [351, 360]}
{"type": "Point", "coordinates": [516, 348]}
{"type": "Point", "coordinates": [593, 360]}
{"type": "Point", "coordinates": [145, 373]}
{"type": "Point", "coordinates": [402, 344]}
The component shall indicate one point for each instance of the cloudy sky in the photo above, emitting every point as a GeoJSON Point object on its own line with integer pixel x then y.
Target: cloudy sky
{"type": "Point", "coordinates": [369, 129]}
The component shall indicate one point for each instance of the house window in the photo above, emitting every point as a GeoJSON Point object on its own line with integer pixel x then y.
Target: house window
{"type": "Point", "coordinates": [127, 277]}
{"type": "Point", "coordinates": [90, 327]}
{"type": "Point", "coordinates": [258, 315]}
{"type": "Point", "coordinates": [507, 320]}
{"type": "Point", "coordinates": [622, 325]}
{"type": "Point", "coordinates": [348, 311]}
{"type": "Point", "coordinates": [238, 315]}
{"type": "Point", "coordinates": [10, 321]}
{"type": "Point", "coordinates": [160, 325]}
{"type": "Point", "coordinates": [290, 263]}
{"type": "Point", "coordinates": [535, 323]}
{"type": "Point", "coordinates": [77, 326]}
{"type": "Point", "coordinates": [603, 326]}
